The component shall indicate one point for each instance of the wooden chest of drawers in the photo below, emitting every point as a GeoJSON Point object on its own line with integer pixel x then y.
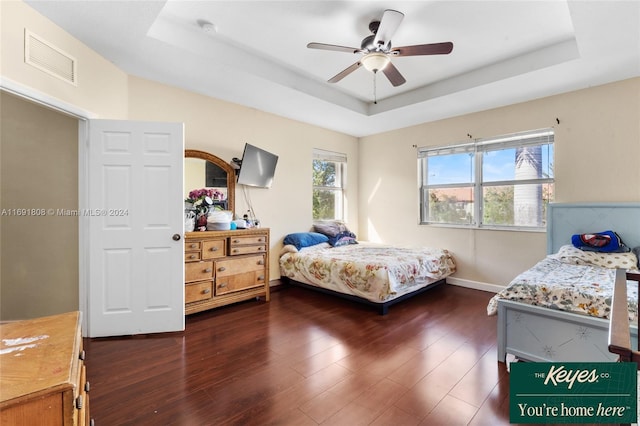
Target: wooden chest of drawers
{"type": "Point", "coordinates": [223, 267]}
{"type": "Point", "coordinates": [42, 372]}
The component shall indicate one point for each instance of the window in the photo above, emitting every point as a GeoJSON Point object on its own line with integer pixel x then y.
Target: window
{"type": "Point", "coordinates": [510, 177]}
{"type": "Point", "coordinates": [329, 179]}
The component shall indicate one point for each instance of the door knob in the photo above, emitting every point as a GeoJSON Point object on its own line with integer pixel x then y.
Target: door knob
{"type": "Point", "coordinates": [176, 237]}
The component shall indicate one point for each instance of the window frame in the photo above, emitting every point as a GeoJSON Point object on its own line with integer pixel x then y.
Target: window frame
{"type": "Point", "coordinates": [477, 183]}
{"type": "Point", "coordinates": [340, 159]}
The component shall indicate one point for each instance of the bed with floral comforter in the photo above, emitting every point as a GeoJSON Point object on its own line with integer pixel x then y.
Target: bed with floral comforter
{"type": "Point", "coordinates": [376, 273]}
{"type": "Point", "coordinates": [549, 333]}
{"type": "Point", "coordinates": [558, 310]}
{"type": "Point", "coordinates": [555, 284]}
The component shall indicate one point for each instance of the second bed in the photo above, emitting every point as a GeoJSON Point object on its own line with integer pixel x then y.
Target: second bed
{"type": "Point", "coordinates": [558, 310]}
{"type": "Point", "coordinates": [375, 274]}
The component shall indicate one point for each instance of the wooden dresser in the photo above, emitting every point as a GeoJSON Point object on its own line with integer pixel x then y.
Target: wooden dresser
{"type": "Point", "coordinates": [42, 373]}
{"type": "Point", "coordinates": [223, 267]}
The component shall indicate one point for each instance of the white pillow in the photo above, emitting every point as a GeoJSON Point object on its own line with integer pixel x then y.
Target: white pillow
{"type": "Point", "coordinates": [575, 256]}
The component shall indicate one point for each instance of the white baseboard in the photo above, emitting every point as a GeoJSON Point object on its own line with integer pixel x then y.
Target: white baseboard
{"type": "Point", "coordinates": [476, 285]}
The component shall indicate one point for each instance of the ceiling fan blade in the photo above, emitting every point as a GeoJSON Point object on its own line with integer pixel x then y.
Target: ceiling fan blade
{"type": "Point", "coordinates": [388, 25]}
{"type": "Point", "coordinates": [393, 75]}
{"type": "Point", "coordinates": [423, 49]}
{"type": "Point", "coordinates": [335, 47]}
{"type": "Point", "coordinates": [342, 74]}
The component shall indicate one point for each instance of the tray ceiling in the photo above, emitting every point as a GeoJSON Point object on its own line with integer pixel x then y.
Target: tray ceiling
{"type": "Point", "coordinates": [254, 53]}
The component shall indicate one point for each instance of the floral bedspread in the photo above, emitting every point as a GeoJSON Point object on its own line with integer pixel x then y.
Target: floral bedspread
{"type": "Point", "coordinates": [553, 284]}
{"type": "Point", "coordinates": [374, 272]}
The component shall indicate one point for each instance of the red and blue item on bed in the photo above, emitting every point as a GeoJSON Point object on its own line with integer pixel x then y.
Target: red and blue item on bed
{"type": "Point", "coordinates": [605, 242]}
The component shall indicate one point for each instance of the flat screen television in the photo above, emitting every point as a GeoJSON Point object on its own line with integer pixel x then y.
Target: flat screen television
{"type": "Point", "coordinates": [257, 168]}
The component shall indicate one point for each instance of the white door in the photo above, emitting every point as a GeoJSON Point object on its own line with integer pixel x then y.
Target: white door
{"type": "Point", "coordinates": [135, 214]}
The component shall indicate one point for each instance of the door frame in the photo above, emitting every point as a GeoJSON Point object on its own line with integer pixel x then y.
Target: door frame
{"type": "Point", "coordinates": [83, 116]}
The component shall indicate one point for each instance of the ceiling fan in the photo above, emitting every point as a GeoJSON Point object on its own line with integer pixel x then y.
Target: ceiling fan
{"type": "Point", "coordinates": [377, 51]}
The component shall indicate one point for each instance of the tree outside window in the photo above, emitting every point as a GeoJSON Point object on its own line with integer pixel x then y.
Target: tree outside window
{"type": "Point", "coordinates": [329, 173]}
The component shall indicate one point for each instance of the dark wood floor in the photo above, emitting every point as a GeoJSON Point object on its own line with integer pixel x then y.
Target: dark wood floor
{"type": "Point", "coordinates": [309, 359]}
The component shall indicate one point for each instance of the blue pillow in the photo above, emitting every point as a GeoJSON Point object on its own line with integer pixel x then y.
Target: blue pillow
{"type": "Point", "coordinates": [305, 239]}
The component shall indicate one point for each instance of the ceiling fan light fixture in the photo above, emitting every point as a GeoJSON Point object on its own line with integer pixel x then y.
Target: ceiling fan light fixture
{"type": "Point", "coordinates": [375, 61]}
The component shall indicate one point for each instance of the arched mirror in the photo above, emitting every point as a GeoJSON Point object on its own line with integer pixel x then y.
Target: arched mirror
{"type": "Point", "coordinates": [204, 170]}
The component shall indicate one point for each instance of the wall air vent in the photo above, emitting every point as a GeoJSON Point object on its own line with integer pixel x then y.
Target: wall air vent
{"type": "Point", "coordinates": [48, 58]}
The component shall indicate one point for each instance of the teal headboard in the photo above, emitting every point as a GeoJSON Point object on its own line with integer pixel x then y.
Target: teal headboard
{"type": "Point", "coordinates": [565, 220]}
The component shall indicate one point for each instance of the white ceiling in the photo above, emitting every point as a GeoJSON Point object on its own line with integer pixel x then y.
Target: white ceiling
{"type": "Point", "coordinates": [504, 52]}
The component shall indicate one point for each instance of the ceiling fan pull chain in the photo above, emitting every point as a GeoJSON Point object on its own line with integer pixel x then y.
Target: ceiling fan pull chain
{"type": "Point", "coordinates": [375, 95]}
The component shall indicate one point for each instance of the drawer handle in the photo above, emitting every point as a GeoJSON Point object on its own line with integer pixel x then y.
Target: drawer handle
{"type": "Point", "coordinates": [222, 285]}
{"type": "Point", "coordinates": [193, 256]}
{"type": "Point", "coordinates": [236, 241]}
{"type": "Point", "coordinates": [261, 278]}
{"type": "Point", "coordinates": [222, 268]}
{"type": "Point", "coordinates": [236, 250]}
{"type": "Point", "coordinates": [81, 356]}
{"type": "Point", "coordinates": [87, 387]}
{"type": "Point", "coordinates": [260, 248]}
{"type": "Point", "coordinates": [260, 262]}
{"type": "Point", "coordinates": [214, 249]}
{"type": "Point", "coordinates": [260, 240]}
{"type": "Point", "coordinates": [208, 270]}
{"type": "Point", "coordinates": [194, 245]}
{"type": "Point", "coordinates": [206, 291]}
{"type": "Point", "coordinates": [79, 402]}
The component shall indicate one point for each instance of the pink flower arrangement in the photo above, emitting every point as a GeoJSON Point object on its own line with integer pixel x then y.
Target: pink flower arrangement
{"type": "Point", "coordinates": [198, 195]}
{"type": "Point", "coordinates": [197, 199]}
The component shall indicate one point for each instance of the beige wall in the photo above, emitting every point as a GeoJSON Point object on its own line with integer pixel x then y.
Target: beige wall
{"type": "Point", "coordinates": [38, 169]}
{"type": "Point", "coordinates": [596, 151]}
{"type": "Point", "coordinates": [222, 129]}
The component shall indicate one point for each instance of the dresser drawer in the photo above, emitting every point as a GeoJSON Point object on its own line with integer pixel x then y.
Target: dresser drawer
{"type": "Point", "coordinates": [212, 249]}
{"type": "Point", "coordinates": [236, 250]}
{"type": "Point", "coordinates": [254, 239]}
{"type": "Point", "coordinates": [82, 401]}
{"type": "Point", "coordinates": [192, 245]}
{"type": "Point", "coordinates": [198, 271]}
{"type": "Point", "coordinates": [191, 256]}
{"type": "Point", "coordinates": [238, 265]}
{"type": "Point", "coordinates": [79, 377]}
{"type": "Point", "coordinates": [195, 292]}
{"type": "Point", "coordinates": [230, 283]}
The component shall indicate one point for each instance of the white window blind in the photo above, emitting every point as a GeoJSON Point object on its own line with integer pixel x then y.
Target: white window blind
{"type": "Point", "coordinates": [322, 155]}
